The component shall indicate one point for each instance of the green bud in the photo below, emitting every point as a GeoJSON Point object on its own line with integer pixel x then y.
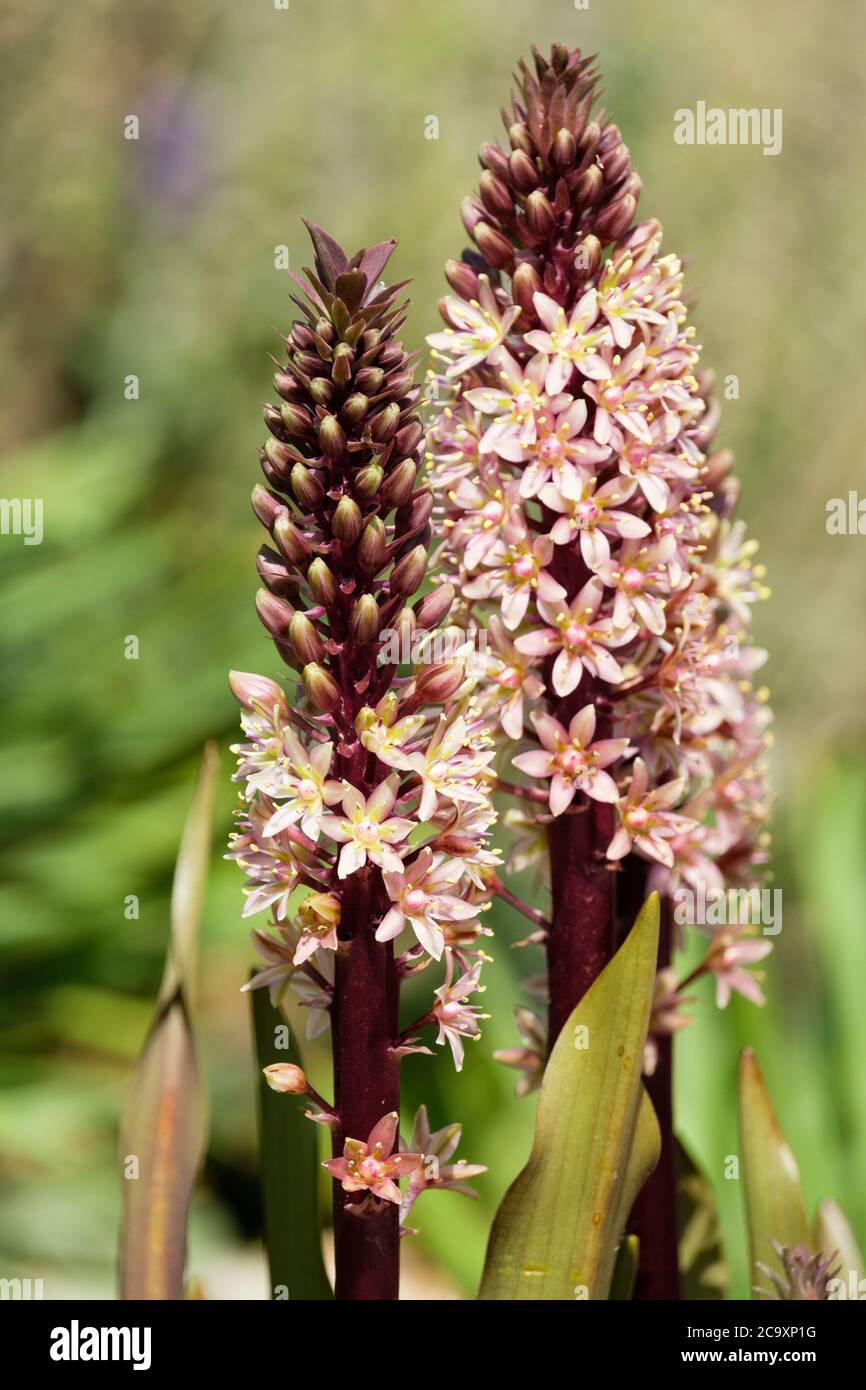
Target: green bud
{"type": "Point", "coordinates": [372, 546]}
{"type": "Point", "coordinates": [296, 420]}
{"type": "Point", "coordinates": [322, 390]}
{"type": "Point", "coordinates": [322, 583]}
{"type": "Point", "coordinates": [385, 423]}
{"type": "Point", "coordinates": [306, 487]}
{"type": "Point", "coordinates": [354, 409]}
{"type": "Point", "coordinates": [322, 690]}
{"type": "Point", "coordinates": [408, 572]}
{"type": "Point", "coordinates": [397, 487]}
{"type": "Point", "coordinates": [305, 639]}
{"type": "Point", "coordinates": [369, 380]}
{"type": "Point", "coordinates": [364, 623]}
{"type": "Point", "coordinates": [292, 542]}
{"type": "Point", "coordinates": [331, 436]}
{"type": "Point", "coordinates": [346, 521]}
{"type": "Point", "coordinates": [341, 367]}
{"type": "Point", "coordinates": [368, 481]}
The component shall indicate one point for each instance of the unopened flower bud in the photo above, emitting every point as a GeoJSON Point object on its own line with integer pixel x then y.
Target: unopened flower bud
{"type": "Point", "coordinates": [368, 481]}
{"type": "Point", "coordinates": [408, 438]}
{"type": "Point", "coordinates": [539, 213]}
{"type": "Point", "coordinates": [587, 256]}
{"type": "Point", "coordinates": [267, 506]}
{"type": "Point", "coordinates": [494, 194]}
{"type": "Point", "coordinates": [462, 279]}
{"type": "Point", "coordinates": [291, 540]}
{"type": "Point", "coordinates": [369, 380]}
{"type": "Point", "coordinates": [354, 409]}
{"type": "Point", "coordinates": [437, 683]}
{"type": "Point", "coordinates": [273, 420]}
{"type": "Point", "coordinates": [472, 212]}
{"type": "Point", "coordinates": [250, 690]}
{"type": "Point", "coordinates": [564, 150]}
{"type": "Point", "coordinates": [525, 284]}
{"type": "Point", "coordinates": [364, 622]}
{"type": "Point", "coordinates": [306, 487]}
{"type": "Point", "coordinates": [371, 547]}
{"type": "Point", "coordinates": [432, 608]}
{"type": "Point", "coordinates": [346, 521]}
{"type": "Point", "coordinates": [397, 487]}
{"type": "Point", "coordinates": [274, 572]}
{"type": "Point", "coordinates": [494, 159]}
{"type": "Point", "coordinates": [322, 582]}
{"type": "Point", "coordinates": [590, 186]}
{"type": "Point", "coordinates": [286, 386]}
{"type": "Point", "coordinates": [305, 639]}
{"type": "Point", "coordinates": [384, 425]}
{"type": "Point", "coordinates": [296, 420]}
{"type": "Point", "coordinates": [321, 688]}
{"type": "Point", "coordinates": [341, 367]}
{"type": "Point", "coordinates": [408, 572]}
{"type": "Point", "coordinates": [494, 246]}
{"type": "Point", "coordinates": [322, 390]}
{"type": "Point", "coordinates": [280, 456]}
{"type": "Point", "coordinates": [523, 172]}
{"type": "Point", "coordinates": [274, 613]}
{"type": "Point", "coordinates": [331, 437]}
{"type": "Point", "coordinates": [286, 1078]}
{"type": "Point", "coordinates": [616, 218]}
{"type": "Point", "coordinates": [520, 139]}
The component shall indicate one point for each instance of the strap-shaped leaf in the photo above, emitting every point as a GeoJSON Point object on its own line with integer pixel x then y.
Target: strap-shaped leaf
{"type": "Point", "coordinates": [557, 1230]}
{"type": "Point", "coordinates": [775, 1209]}
{"type": "Point", "coordinates": [162, 1135]}
{"type": "Point", "coordinates": [289, 1168]}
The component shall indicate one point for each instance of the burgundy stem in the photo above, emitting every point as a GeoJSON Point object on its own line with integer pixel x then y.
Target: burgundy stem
{"type": "Point", "coordinates": [366, 1087]}
{"type": "Point", "coordinates": [580, 936]}
{"type": "Point", "coordinates": [654, 1215]}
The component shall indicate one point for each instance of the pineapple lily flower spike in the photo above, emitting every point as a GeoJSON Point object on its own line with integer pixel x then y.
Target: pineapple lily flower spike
{"type": "Point", "coordinates": [365, 802]}
{"type": "Point", "coordinates": [587, 529]}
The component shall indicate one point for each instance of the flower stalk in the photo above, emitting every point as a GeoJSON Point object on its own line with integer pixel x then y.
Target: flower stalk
{"type": "Point", "coordinates": [589, 536]}
{"type": "Point", "coordinates": [365, 801]}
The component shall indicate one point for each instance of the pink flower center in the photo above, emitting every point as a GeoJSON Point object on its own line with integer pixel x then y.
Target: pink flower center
{"type": "Point", "coordinates": [523, 567]}
{"type": "Point", "coordinates": [611, 397]}
{"type": "Point", "coordinates": [638, 455]}
{"type": "Point", "coordinates": [450, 1010]}
{"type": "Point", "coordinates": [632, 578]}
{"type": "Point", "coordinates": [370, 1170]}
{"type": "Point", "coordinates": [551, 448]}
{"type": "Point", "coordinates": [586, 512]}
{"type": "Point", "coordinates": [575, 635]}
{"type": "Point", "coordinates": [524, 403]}
{"type": "Point", "coordinates": [510, 678]}
{"type": "Point", "coordinates": [367, 829]}
{"type": "Point", "coordinates": [638, 819]}
{"type": "Point", "coordinates": [306, 789]}
{"type": "Point", "coordinates": [493, 512]}
{"type": "Point", "coordinates": [415, 900]}
{"type": "Point", "coordinates": [571, 761]}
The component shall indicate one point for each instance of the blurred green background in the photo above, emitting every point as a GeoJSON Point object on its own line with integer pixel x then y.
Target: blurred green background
{"type": "Point", "coordinates": [155, 258]}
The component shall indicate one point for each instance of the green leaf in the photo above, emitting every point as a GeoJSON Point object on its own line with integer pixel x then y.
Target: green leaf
{"type": "Point", "coordinates": [556, 1233]}
{"type": "Point", "coordinates": [162, 1135]}
{"type": "Point", "coordinates": [833, 1233]}
{"type": "Point", "coordinates": [625, 1270]}
{"type": "Point", "coordinates": [775, 1209]}
{"type": "Point", "coordinates": [703, 1270]}
{"type": "Point", "coordinates": [289, 1169]}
